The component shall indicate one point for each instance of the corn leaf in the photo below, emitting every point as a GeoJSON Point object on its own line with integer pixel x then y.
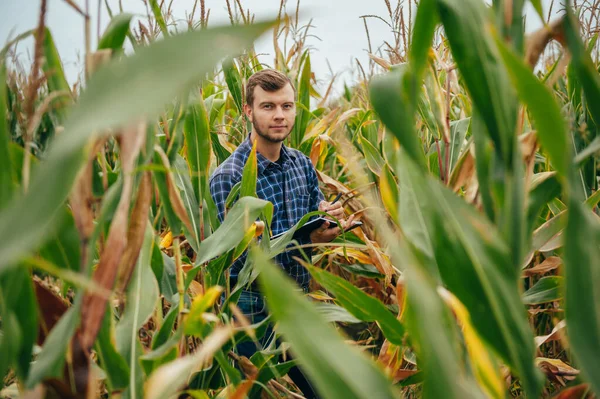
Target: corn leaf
{"type": "Point", "coordinates": [475, 266]}
{"type": "Point", "coordinates": [337, 370]}
{"type": "Point", "coordinates": [361, 305]}
{"type": "Point", "coordinates": [465, 23]}
{"type": "Point", "coordinates": [542, 106]}
{"type": "Point", "coordinates": [250, 175]}
{"type": "Point", "coordinates": [198, 143]}
{"type": "Point", "coordinates": [234, 83]}
{"type": "Point", "coordinates": [116, 94]}
{"type": "Point", "coordinates": [55, 75]}
{"type": "Point", "coordinates": [113, 364]}
{"type": "Point", "coordinates": [114, 36]}
{"type": "Point", "coordinates": [582, 296]}
{"type": "Point", "coordinates": [547, 289]}
{"type": "Point", "coordinates": [158, 16]}
{"type": "Point", "coordinates": [142, 295]}
{"type": "Point", "coordinates": [19, 299]}
{"type": "Point", "coordinates": [583, 66]}
{"type": "Point", "coordinates": [234, 227]}
{"type": "Point", "coordinates": [390, 195]}
{"type": "Point", "coordinates": [393, 107]}
{"type": "Point", "coordinates": [303, 107]}
{"type": "Point", "coordinates": [50, 361]}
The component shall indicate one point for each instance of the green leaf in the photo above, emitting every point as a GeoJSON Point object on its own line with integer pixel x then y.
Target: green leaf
{"type": "Point", "coordinates": [458, 132]}
{"type": "Point", "coordinates": [375, 161]}
{"type": "Point", "coordinates": [583, 65]}
{"type": "Point", "coordinates": [250, 175]}
{"type": "Point", "coordinates": [390, 194]}
{"type": "Point", "coordinates": [63, 249]}
{"type": "Point", "coordinates": [19, 300]}
{"type": "Point", "coordinates": [10, 340]}
{"type": "Point", "coordinates": [393, 107]}
{"type": "Point", "coordinates": [116, 94]}
{"type": "Point", "coordinates": [190, 202]}
{"type": "Point", "coordinates": [165, 381]}
{"type": "Point", "coordinates": [361, 305]}
{"type": "Point", "coordinates": [142, 296]}
{"type": "Point", "coordinates": [116, 32]}
{"type": "Point", "coordinates": [543, 108]}
{"type": "Point", "coordinates": [475, 265]}
{"type": "Point", "coordinates": [547, 289]}
{"type": "Point", "coordinates": [302, 110]}
{"type": "Point", "coordinates": [160, 20]}
{"type": "Point", "coordinates": [198, 142]}
{"type": "Point", "coordinates": [55, 75]}
{"type": "Point", "coordinates": [466, 25]}
{"type": "Point", "coordinates": [544, 187]}
{"type": "Point", "coordinates": [582, 296]}
{"type": "Point", "coordinates": [50, 361]}
{"type": "Point", "coordinates": [113, 364]}
{"type": "Point", "coordinates": [424, 29]}
{"type": "Point", "coordinates": [234, 227]}
{"type": "Point", "coordinates": [588, 152]}
{"type": "Point", "coordinates": [428, 322]}
{"type": "Point", "coordinates": [166, 328]}
{"type": "Point", "coordinates": [234, 83]}
{"type": "Point", "coordinates": [537, 5]}
{"type": "Point", "coordinates": [337, 370]}
{"type": "Point", "coordinates": [334, 313]}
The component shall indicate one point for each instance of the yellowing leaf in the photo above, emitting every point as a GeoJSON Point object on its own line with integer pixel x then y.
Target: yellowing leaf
{"type": "Point", "coordinates": [486, 372]}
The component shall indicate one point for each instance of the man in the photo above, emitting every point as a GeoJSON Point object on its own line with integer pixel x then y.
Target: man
{"type": "Point", "coordinates": [286, 178]}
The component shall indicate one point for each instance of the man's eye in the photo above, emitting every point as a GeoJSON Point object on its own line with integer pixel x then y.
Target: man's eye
{"type": "Point", "coordinates": [267, 106]}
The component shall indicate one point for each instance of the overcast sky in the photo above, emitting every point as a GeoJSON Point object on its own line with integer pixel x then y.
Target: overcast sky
{"type": "Point", "coordinates": [336, 22]}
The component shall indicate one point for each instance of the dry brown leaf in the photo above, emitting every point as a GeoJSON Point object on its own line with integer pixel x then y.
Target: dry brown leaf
{"type": "Point", "coordinates": [555, 367]}
{"type": "Point", "coordinates": [556, 334]}
{"type": "Point", "coordinates": [242, 390]}
{"type": "Point", "coordinates": [135, 235]}
{"type": "Point", "coordinates": [174, 196]}
{"type": "Point", "coordinates": [380, 261]}
{"type": "Point", "coordinates": [196, 289]}
{"type": "Point", "coordinates": [463, 172]}
{"type": "Point", "coordinates": [94, 306]}
{"type": "Point", "coordinates": [51, 306]}
{"type": "Point", "coordinates": [81, 200]}
{"type": "Point", "coordinates": [390, 358]}
{"type": "Point", "coordinates": [580, 391]}
{"type": "Point", "coordinates": [380, 61]}
{"type": "Point", "coordinates": [550, 263]}
{"type": "Point", "coordinates": [315, 151]}
{"type": "Point", "coordinates": [536, 42]}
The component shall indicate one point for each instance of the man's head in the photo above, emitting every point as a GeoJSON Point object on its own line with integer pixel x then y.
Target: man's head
{"type": "Point", "coordinates": [270, 105]}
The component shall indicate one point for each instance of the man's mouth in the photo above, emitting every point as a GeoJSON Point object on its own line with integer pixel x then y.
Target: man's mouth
{"type": "Point", "coordinates": [278, 127]}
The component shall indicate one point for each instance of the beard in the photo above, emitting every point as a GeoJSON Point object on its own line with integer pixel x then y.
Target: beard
{"type": "Point", "coordinates": [268, 137]}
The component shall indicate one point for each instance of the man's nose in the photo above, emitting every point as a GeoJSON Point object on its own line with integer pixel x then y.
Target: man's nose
{"type": "Point", "coordinates": [278, 113]}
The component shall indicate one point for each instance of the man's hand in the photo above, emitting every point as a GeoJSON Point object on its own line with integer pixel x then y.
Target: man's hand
{"type": "Point", "coordinates": [326, 234]}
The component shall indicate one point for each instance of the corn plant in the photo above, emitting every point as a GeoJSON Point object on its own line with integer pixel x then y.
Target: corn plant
{"type": "Point", "coordinates": [475, 176]}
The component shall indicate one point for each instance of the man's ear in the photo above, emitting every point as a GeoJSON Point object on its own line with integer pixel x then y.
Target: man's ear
{"type": "Point", "coordinates": [248, 112]}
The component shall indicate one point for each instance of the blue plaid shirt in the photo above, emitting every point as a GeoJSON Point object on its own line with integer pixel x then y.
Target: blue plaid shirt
{"type": "Point", "coordinates": [290, 184]}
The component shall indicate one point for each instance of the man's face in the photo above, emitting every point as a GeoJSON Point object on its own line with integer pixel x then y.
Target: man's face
{"type": "Point", "coordinates": [273, 113]}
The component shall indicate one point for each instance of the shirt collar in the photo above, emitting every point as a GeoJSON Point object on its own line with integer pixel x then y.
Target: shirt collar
{"type": "Point", "coordinates": [263, 162]}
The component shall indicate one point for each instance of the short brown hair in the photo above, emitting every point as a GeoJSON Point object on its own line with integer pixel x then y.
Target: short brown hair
{"type": "Point", "coordinates": [269, 80]}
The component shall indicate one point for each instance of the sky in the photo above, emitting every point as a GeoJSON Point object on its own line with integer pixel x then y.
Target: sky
{"type": "Point", "coordinates": [339, 33]}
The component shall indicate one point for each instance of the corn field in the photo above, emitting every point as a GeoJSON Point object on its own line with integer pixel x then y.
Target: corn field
{"type": "Point", "coordinates": [468, 149]}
